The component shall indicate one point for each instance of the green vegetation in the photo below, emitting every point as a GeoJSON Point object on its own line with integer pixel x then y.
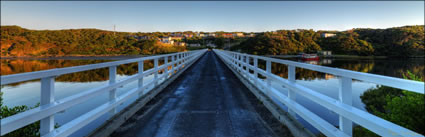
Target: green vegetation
{"type": "Point", "coordinates": [401, 107]}
{"type": "Point", "coordinates": [31, 130]}
{"type": "Point", "coordinates": [280, 42]}
{"type": "Point", "coordinates": [17, 41]}
{"type": "Point", "coordinates": [398, 41]}
{"type": "Point", "coordinates": [152, 47]}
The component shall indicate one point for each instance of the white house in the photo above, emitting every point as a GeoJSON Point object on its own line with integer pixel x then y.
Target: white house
{"type": "Point", "coordinates": [181, 44]}
{"type": "Point", "coordinates": [238, 34]}
{"type": "Point", "coordinates": [167, 40]}
{"type": "Point", "coordinates": [328, 35]}
{"type": "Point", "coordinates": [210, 34]}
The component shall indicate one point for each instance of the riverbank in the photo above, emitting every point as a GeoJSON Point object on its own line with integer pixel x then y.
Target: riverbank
{"type": "Point", "coordinates": [78, 57]}
{"type": "Point", "coordinates": [343, 56]}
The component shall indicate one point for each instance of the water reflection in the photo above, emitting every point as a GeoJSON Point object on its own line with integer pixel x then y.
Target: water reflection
{"type": "Point", "coordinates": [9, 67]}
{"type": "Point", "coordinates": [327, 84]}
{"type": "Point", "coordinates": [388, 67]}
{"type": "Point", "coordinates": [14, 66]}
{"type": "Point", "coordinates": [28, 93]}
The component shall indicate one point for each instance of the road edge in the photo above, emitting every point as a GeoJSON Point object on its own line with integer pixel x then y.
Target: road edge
{"type": "Point", "coordinates": [295, 127]}
{"type": "Point", "coordinates": [108, 127]}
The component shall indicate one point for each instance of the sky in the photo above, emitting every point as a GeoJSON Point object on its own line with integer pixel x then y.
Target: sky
{"type": "Point", "coordinates": [208, 16]}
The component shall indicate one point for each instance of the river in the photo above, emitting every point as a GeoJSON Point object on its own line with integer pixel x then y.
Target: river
{"type": "Point", "coordinates": [28, 93]}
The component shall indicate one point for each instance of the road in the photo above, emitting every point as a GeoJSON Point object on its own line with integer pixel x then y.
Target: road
{"type": "Point", "coordinates": [206, 100]}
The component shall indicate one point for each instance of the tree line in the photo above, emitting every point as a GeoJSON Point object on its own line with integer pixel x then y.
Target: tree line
{"type": "Point", "coordinates": [17, 41]}
{"type": "Point", "coordinates": [398, 41]}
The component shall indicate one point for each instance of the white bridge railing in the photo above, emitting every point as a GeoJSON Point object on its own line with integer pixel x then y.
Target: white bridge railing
{"type": "Point", "coordinates": [343, 106]}
{"type": "Point", "coordinates": [49, 106]}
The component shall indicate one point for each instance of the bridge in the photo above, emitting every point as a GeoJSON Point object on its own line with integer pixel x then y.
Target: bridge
{"type": "Point", "coordinates": [206, 93]}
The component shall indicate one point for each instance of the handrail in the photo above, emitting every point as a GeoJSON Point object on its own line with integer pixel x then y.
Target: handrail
{"type": "Point", "coordinates": [409, 85]}
{"type": "Point", "coordinates": [348, 114]}
{"type": "Point", "coordinates": [8, 79]}
{"type": "Point", "coordinates": [49, 106]}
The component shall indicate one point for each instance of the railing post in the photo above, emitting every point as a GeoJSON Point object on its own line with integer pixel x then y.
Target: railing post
{"type": "Point", "coordinates": [183, 58]}
{"type": "Point", "coordinates": [240, 62]}
{"type": "Point", "coordinates": [291, 93]}
{"type": "Point", "coordinates": [173, 63]}
{"type": "Point", "coordinates": [140, 82]}
{"type": "Point", "coordinates": [47, 96]}
{"type": "Point", "coordinates": [233, 59]}
{"type": "Point", "coordinates": [112, 80]}
{"type": "Point", "coordinates": [269, 73]}
{"type": "Point", "coordinates": [236, 61]}
{"type": "Point", "coordinates": [186, 57]}
{"type": "Point", "coordinates": [246, 65]}
{"type": "Point", "coordinates": [156, 71]}
{"type": "Point", "coordinates": [345, 96]}
{"type": "Point", "coordinates": [256, 72]}
{"type": "Point", "coordinates": [166, 66]}
{"type": "Point", "coordinates": [178, 60]}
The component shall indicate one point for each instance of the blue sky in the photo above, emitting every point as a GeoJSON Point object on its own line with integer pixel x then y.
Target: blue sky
{"type": "Point", "coordinates": [248, 16]}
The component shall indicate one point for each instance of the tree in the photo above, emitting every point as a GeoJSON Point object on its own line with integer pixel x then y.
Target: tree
{"type": "Point", "coordinates": [404, 108]}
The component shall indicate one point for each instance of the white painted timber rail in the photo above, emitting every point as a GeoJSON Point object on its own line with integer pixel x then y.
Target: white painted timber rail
{"type": "Point", "coordinates": [343, 107]}
{"type": "Point", "coordinates": [49, 106]}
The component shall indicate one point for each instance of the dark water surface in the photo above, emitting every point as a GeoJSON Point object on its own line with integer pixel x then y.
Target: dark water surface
{"type": "Point", "coordinates": [28, 93]}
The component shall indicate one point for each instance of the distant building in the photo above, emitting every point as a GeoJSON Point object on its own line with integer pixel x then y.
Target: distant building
{"type": "Point", "coordinates": [181, 44]}
{"type": "Point", "coordinates": [201, 35]}
{"type": "Point", "coordinates": [250, 35]}
{"type": "Point", "coordinates": [238, 34]}
{"type": "Point", "coordinates": [166, 40]}
{"type": "Point", "coordinates": [194, 45]}
{"type": "Point", "coordinates": [228, 35]}
{"type": "Point", "coordinates": [140, 37]}
{"type": "Point", "coordinates": [210, 34]}
{"type": "Point", "coordinates": [176, 38]}
{"type": "Point", "coordinates": [144, 38]}
{"type": "Point", "coordinates": [188, 35]}
{"type": "Point", "coordinates": [325, 53]}
{"type": "Point", "coordinates": [176, 35]}
{"type": "Point", "coordinates": [328, 35]}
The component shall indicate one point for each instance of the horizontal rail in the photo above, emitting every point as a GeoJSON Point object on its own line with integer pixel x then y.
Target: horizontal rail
{"type": "Point", "coordinates": [9, 79]}
{"type": "Point", "coordinates": [344, 109]}
{"type": "Point", "coordinates": [20, 120]}
{"type": "Point", "coordinates": [74, 125]}
{"type": "Point", "coordinates": [409, 85]}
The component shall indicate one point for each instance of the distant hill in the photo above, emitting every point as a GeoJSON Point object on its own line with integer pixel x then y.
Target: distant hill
{"type": "Point", "coordinates": [17, 41]}
{"type": "Point", "coordinates": [398, 41]}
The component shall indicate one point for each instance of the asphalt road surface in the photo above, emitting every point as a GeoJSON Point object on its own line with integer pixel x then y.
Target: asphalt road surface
{"type": "Point", "coordinates": [206, 100]}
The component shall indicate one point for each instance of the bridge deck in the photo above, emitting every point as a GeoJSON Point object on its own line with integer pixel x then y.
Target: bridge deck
{"type": "Point", "coordinates": [207, 100]}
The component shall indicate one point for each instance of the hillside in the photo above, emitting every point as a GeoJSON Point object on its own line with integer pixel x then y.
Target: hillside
{"type": "Point", "coordinates": [398, 41]}
{"type": "Point", "coordinates": [17, 41]}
